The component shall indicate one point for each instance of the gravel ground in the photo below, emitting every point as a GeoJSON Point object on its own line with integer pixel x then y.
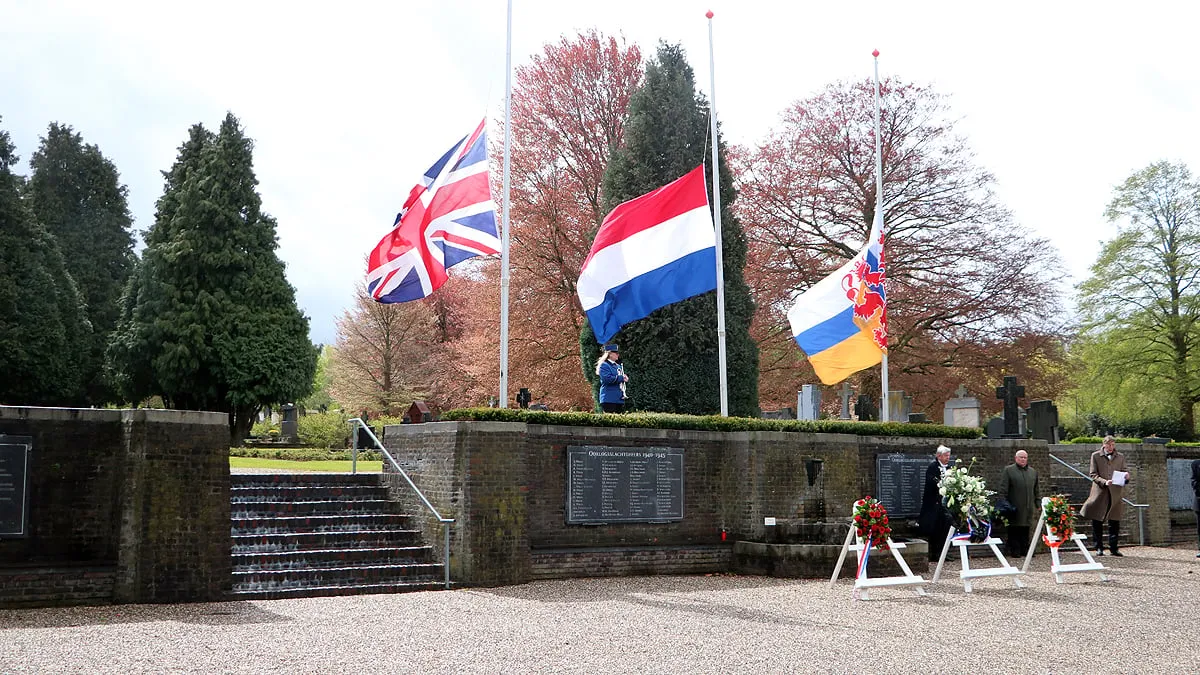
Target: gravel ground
{"type": "Point", "coordinates": [718, 623]}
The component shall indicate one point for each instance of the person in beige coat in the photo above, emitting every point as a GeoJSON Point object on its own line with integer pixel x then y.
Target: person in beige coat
{"type": "Point", "coordinates": [1104, 502]}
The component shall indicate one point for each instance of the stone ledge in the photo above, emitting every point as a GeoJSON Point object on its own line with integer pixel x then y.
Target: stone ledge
{"type": "Point", "coordinates": [102, 415]}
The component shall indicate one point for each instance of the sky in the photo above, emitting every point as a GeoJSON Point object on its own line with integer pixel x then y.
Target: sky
{"type": "Point", "coordinates": [349, 103]}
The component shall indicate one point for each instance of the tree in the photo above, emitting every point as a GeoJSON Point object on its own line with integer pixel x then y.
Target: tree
{"type": "Point", "coordinates": [379, 360]}
{"type": "Point", "coordinates": [43, 321]}
{"type": "Point", "coordinates": [569, 106]}
{"type": "Point", "coordinates": [76, 193]}
{"type": "Point", "coordinates": [971, 295]}
{"type": "Point", "coordinates": [210, 321]}
{"type": "Point", "coordinates": [320, 399]}
{"type": "Point", "coordinates": [1142, 300]}
{"type": "Point", "coordinates": [672, 354]}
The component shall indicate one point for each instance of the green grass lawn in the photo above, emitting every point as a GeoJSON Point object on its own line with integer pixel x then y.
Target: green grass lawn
{"type": "Point", "coordinates": [319, 465]}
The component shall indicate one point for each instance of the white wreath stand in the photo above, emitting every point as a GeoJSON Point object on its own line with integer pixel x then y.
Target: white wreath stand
{"type": "Point", "coordinates": [1056, 567]}
{"type": "Point", "coordinates": [967, 574]}
{"type": "Point", "coordinates": [863, 584]}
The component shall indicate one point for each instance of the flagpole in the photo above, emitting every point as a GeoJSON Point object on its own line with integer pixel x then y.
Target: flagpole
{"type": "Point", "coordinates": [716, 189]}
{"type": "Point", "coordinates": [883, 409]}
{"type": "Point", "coordinates": [505, 237]}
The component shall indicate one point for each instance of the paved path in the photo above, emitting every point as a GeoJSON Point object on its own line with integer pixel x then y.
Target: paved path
{"type": "Point", "coordinates": [650, 624]}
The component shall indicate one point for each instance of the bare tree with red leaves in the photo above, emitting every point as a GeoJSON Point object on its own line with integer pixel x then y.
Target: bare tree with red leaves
{"type": "Point", "coordinates": [972, 295]}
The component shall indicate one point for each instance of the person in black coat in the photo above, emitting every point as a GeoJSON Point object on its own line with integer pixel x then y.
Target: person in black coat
{"type": "Point", "coordinates": [935, 521]}
{"type": "Point", "coordinates": [1196, 490]}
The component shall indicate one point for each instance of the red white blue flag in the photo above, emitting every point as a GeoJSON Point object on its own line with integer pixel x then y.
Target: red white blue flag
{"type": "Point", "coordinates": [448, 217]}
{"type": "Point", "coordinates": [650, 252]}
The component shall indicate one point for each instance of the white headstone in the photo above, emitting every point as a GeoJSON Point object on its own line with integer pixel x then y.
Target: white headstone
{"type": "Point", "coordinates": [962, 411]}
{"type": "Point", "coordinates": [809, 403]}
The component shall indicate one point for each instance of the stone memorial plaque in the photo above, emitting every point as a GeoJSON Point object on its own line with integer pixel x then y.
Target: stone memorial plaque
{"type": "Point", "coordinates": [900, 481]}
{"type": "Point", "coordinates": [624, 485]}
{"type": "Point", "coordinates": [14, 478]}
{"type": "Point", "coordinates": [1180, 496]}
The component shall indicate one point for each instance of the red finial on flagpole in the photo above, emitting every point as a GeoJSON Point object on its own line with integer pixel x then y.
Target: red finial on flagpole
{"type": "Point", "coordinates": [708, 14]}
{"type": "Point", "coordinates": [875, 53]}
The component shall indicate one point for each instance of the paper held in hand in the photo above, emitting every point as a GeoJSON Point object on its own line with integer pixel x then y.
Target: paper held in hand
{"type": "Point", "coordinates": [1119, 477]}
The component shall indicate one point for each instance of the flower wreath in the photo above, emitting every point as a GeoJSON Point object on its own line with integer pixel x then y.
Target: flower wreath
{"type": "Point", "coordinates": [871, 522]}
{"type": "Point", "coordinates": [969, 501]}
{"type": "Point", "coordinates": [1060, 520]}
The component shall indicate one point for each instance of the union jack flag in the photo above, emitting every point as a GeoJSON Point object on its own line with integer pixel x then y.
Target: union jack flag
{"type": "Point", "coordinates": [448, 217]}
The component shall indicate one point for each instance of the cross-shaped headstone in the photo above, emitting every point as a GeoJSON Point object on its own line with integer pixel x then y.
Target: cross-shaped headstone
{"type": "Point", "coordinates": [1010, 393]}
{"type": "Point", "coordinates": [961, 392]}
{"type": "Point", "coordinates": [846, 392]}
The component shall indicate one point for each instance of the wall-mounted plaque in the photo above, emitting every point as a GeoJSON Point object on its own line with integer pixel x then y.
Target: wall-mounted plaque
{"type": "Point", "coordinates": [14, 479]}
{"type": "Point", "coordinates": [900, 482]}
{"type": "Point", "coordinates": [624, 485]}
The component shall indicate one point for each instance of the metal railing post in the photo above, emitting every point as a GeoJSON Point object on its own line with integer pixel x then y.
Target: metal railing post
{"type": "Point", "coordinates": [1141, 527]}
{"type": "Point", "coordinates": [446, 553]}
{"type": "Point", "coordinates": [354, 447]}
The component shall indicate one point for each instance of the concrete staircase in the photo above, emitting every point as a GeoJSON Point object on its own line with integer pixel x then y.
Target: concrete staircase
{"type": "Point", "coordinates": [306, 535]}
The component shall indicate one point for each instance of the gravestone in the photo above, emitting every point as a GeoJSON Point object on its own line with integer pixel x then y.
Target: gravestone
{"type": "Point", "coordinates": [14, 481]}
{"type": "Point", "coordinates": [1010, 393]}
{"type": "Point", "coordinates": [781, 414]}
{"type": "Point", "coordinates": [917, 418]}
{"type": "Point", "coordinates": [289, 427]}
{"type": "Point", "coordinates": [899, 406]}
{"type": "Point", "coordinates": [962, 410]}
{"type": "Point", "coordinates": [1043, 420]}
{"type": "Point", "coordinates": [523, 398]}
{"type": "Point", "coordinates": [995, 427]}
{"type": "Point", "coordinates": [866, 409]}
{"type": "Point", "coordinates": [809, 402]}
{"type": "Point", "coordinates": [1180, 496]}
{"type": "Point", "coordinates": [845, 392]}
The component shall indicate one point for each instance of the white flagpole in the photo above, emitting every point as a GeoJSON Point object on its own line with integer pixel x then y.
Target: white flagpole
{"type": "Point", "coordinates": [505, 237]}
{"type": "Point", "coordinates": [716, 188]}
{"type": "Point", "coordinates": [883, 409]}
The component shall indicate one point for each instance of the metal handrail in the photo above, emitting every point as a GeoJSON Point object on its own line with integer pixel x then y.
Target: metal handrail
{"type": "Point", "coordinates": [1140, 507]}
{"type": "Point", "coordinates": [360, 424]}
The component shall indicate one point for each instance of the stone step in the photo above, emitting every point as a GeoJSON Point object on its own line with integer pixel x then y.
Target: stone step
{"type": "Point", "coordinates": [342, 523]}
{"type": "Point", "coordinates": [264, 592]}
{"type": "Point", "coordinates": [314, 508]}
{"type": "Point", "coordinates": [331, 558]}
{"type": "Point", "coordinates": [348, 575]}
{"type": "Point", "coordinates": [306, 493]}
{"type": "Point", "coordinates": [309, 541]}
{"type": "Point", "coordinates": [302, 479]}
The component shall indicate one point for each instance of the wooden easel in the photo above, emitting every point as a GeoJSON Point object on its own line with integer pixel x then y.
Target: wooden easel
{"type": "Point", "coordinates": [967, 574]}
{"type": "Point", "coordinates": [863, 584]}
{"type": "Point", "coordinates": [1057, 568]}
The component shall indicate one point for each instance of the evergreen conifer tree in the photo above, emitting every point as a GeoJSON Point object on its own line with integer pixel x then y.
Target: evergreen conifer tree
{"type": "Point", "coordinates": [671, 355]}
{"type": "Point", "coordinates": [211, 322]}
{"type": "Point", "coordinates": [76, 194]}
{"type": "Point", "coordinates": [43, 321]}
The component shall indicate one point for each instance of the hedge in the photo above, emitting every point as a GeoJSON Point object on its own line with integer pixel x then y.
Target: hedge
{"type": "Point", "coordinates": [1097, 439]}
{"type": "Point", "coordinates": [304, 454]}
{"type": "Point", "coordinates": [707, 423]}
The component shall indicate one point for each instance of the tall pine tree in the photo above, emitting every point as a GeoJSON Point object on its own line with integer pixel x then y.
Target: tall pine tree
{"type": "Point", "coordinates": [43, 322]}
{"type": "Point", "coordinates": [76, 193]}
{"type": "Point", "coordinates": [671, 355]}
{"type": "Point", "coordinates": [211, 322]}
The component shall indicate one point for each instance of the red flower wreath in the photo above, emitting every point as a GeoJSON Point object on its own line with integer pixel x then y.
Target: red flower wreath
{"type": "Point", "coordinates": [871, 522]}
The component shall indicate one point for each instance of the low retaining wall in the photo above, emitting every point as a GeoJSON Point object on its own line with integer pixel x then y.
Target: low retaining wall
{"type": "Point", "coordinates": [123, 506]}
{"type": "Point", "coordinates": [505, 484]}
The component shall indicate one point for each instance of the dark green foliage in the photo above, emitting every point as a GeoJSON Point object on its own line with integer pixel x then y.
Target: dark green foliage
{"type": "Point", "coordinates": [706, 423]}
{"type": "Point", "coordinates": [671, 356]}
{"type": "Point", "coordinates": [43, 321]}
{"type": "Point", "coordinates": [210, 321]}
{"type": "Point", "coordinates": [304, 454]}
{"type": "Point", "coordinates": [76, 194]}
{"type": "Point", "coordinates": [1163, 426]}
{"type": "Point", "coordinates": [1085, 440]}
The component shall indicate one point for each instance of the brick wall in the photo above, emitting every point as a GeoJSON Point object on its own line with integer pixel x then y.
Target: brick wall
{"type": "Point", "coordinates": [505, 484]}
{"type": "Point", "coordinates": [142, 493]}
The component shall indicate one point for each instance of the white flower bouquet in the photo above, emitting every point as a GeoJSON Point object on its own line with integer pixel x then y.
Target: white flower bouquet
{"type": "Point", "coordinates": [966, 496]}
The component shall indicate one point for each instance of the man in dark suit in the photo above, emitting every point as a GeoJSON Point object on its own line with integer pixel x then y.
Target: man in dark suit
{"type": "Point", "coordinates": [1196, 489]}
{"type": "Point", "coordinates": [934, 521]}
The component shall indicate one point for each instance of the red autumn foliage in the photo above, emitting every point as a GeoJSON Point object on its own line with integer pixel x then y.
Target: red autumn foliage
{"type": "Point", "coordinates": [972, 295]}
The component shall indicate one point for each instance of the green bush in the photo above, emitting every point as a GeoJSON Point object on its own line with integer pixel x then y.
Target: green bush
{"type": "Point", "coordinates": [324, 430]}
{"type": "Point", "coordinates": [303, 454]}
{"type": "Point", "coordinates": [707, 423]}
{"type": "Point", "coordinates": [1097, 439]}
{"type": "Point", "coordinates": [263, 429]}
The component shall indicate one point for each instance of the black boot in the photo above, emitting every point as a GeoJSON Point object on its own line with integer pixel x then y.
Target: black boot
{"type": "Point", "coordinates": [1098, 536]}
{"type": "Point", "coordinates": [1114, 530]}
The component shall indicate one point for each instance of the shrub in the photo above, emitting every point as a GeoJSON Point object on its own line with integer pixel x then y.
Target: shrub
{"type": "Point", "coordinates": [303, 454]}
{"type": "Point", "coordinates": [263, 429]}
{"type": "Point", "coordinates": [1098, 439]}
{"type": "Point", "coordinates": [708, 423]}
{"type": "Point", "coordinates": [324, 430]}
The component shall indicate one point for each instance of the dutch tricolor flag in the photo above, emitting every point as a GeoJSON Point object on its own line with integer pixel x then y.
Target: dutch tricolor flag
{"type": "Point", "coordinates": [650, 252]}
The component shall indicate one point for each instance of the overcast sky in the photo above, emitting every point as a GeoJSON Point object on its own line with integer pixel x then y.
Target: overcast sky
{"type": "Point", "coordinates": [350, 102]}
